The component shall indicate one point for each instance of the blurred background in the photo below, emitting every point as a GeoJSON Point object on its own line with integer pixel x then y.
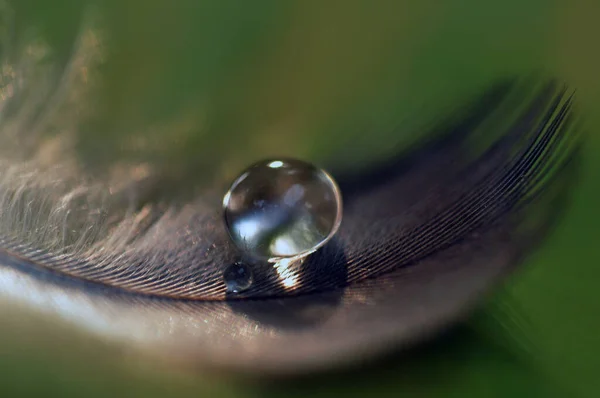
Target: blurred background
{"type": "Point", "coordinates": [196, 90]}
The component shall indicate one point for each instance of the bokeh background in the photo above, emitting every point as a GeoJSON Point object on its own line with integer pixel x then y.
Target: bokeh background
{"type": "Point", "coordinates": [198, 89]}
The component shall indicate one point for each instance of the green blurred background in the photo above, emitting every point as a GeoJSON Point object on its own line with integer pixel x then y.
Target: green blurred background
{"type": "Point", "coordinates": [199, 89]}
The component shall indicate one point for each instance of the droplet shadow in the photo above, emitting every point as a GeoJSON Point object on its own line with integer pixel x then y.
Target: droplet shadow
{"type": "Point", "coordinates": [325, 271]}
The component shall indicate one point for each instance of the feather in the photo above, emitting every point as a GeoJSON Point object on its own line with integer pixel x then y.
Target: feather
{"type": "Point", "coordinates": [423, 236]}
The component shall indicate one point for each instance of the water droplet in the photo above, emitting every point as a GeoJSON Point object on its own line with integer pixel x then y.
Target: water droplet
{"type": "Point", "coordinates": [282, 209]}
{"type": "Point", "coordinates": [238, 277]}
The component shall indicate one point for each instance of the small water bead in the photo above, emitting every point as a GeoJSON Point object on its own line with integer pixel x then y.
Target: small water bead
{"type": "Point", "coordinates": [238, 277]}
{"type": "Point", "coordinates": [282, 209]}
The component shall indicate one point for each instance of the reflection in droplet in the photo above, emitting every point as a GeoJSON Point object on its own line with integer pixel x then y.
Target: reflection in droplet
{"type": "Point", "coordinates": [282, 209]}
{"type": "Point", "coordinates": [238, 277]}
{"type": "Point", "coordinates": [276, 164]}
